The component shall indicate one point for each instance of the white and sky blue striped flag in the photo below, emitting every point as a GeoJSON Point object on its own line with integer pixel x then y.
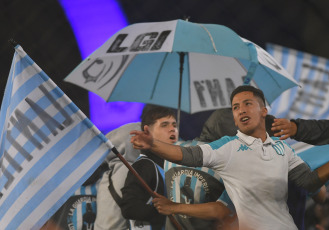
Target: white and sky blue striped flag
{"type": "Point", "coordinates": [48, 147]}
{"type": "Point", "coordinates": [311, 101]}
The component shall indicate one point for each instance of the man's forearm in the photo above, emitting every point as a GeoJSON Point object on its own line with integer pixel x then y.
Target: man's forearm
{"type": "Point", "coordinates": [166, 151]}
{"type": "Point", "coordinates": [207, 211]}
{"type": "Point", "coordinates": [323, 172]}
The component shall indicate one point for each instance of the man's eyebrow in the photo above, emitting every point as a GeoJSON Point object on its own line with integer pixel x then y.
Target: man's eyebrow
{"type": "Point", "coordinates": [167, 122]}
{"type": "Point", "coordinates": [243, 101]}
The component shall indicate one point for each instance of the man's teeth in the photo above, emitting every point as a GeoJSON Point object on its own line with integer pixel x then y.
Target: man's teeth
{"type": "Point", "coordinates": [245, 118]}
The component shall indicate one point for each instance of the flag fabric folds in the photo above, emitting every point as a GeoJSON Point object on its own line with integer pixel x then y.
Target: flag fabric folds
{"type": "Point", "coordinates": [311, 101]}
{"type": "Point", "coordinates": [48, 147]}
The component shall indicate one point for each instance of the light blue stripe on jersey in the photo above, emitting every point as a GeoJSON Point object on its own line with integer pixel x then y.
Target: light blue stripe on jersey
{"type": "Point", "coordinates": [227, 200]}
{"type": "Point", "coordinates": [278, 147]}
{"type": "Point", "coordinates": [222, 141]}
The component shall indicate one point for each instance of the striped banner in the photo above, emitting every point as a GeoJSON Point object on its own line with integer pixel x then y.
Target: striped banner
{"type": "Point", "coordinates": [311, 101]}
{"type": "Point", "coordinates": [48, 147]}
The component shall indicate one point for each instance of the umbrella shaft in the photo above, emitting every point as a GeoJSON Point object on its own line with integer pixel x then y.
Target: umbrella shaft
{"type": "Point", "coordinates": [181, 69]}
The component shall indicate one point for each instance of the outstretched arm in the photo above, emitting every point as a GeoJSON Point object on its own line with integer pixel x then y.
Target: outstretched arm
{"type": "Point", "coordinates": [323, 172]}
{"type": "Point", "coordinates": [144, 140]}
{"type": "Point", "coordinates": [307, 179]}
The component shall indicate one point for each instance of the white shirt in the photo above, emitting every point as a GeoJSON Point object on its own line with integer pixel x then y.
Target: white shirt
{"type": "Point", "coordinates": [255, 175]}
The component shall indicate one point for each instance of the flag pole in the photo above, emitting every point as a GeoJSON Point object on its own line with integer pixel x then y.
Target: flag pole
{"type": "Point", "coordinates": [143, 183]}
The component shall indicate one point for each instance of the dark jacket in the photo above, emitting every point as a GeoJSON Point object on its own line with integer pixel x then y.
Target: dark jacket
{"type": "Point", "coordinates": [221, 123]}
{"type": "Point", "coordinates": [134, 196]}
{"type": "Point", "coordinates": [314, 132]}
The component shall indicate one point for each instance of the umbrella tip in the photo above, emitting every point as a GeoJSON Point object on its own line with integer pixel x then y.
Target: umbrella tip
{"type": "Point", "coordinates": [187, 18]}
{"type": "Point", "coordinates": [13, 42]}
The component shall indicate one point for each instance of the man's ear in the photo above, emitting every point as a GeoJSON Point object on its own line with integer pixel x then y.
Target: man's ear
{"type": "Point", "coordinates": [235, 123]}
{"type": "Point", "coordinates": [264, 112]}
{"type": "Point", "coordinates": [147, 128]}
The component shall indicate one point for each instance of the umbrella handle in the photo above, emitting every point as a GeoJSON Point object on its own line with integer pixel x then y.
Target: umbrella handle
{"type": "Point", "coordinates": [143, 183]}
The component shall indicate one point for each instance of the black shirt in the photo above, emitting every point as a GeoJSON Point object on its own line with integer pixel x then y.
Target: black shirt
{"type": "Point", "coordinates": [135, 196]}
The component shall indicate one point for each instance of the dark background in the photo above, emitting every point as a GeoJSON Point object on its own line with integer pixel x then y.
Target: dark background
{"type": "Point", "coordinates": [41, 28]}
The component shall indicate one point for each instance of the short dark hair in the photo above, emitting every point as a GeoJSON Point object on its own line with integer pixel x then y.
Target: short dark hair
{"type": "Point", "coordinates": [151, 113]}
{"type": "Point", "coordinates": [248, 88]}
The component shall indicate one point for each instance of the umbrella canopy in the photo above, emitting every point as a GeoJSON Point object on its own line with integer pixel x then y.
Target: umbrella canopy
{"type": "Point", "coordinates": [179, 64]}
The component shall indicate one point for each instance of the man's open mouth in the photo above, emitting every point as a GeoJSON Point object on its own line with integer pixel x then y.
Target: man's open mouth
{"type": "Point", "coordinates": [244, 119]}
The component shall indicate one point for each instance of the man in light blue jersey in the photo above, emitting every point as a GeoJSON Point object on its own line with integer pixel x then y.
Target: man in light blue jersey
{"type": "Point", "coordinates": [254, 167]}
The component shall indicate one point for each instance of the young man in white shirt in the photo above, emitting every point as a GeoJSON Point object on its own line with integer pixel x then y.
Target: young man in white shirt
{"type": "Point", "coordinates": [254, 167]}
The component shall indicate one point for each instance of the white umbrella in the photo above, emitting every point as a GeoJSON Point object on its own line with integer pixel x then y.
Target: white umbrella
{"type": "Point", "coordinates": [183, 65]}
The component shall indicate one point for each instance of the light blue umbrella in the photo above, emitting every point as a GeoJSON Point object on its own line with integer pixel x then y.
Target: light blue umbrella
{"type": "Point", "coordinates": [179, 64]}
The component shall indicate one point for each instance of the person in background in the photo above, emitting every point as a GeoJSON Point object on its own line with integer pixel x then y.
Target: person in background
{"type": "Point", "coordinates": [136, 201]}
{"type": "Point", "coordinates": [317, 216]}
{"type": "Point", "coordinates": [108, 214]}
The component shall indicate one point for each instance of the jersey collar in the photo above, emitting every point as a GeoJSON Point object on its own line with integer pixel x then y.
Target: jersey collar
{"type": "Point", "coordinates": [249, 140]}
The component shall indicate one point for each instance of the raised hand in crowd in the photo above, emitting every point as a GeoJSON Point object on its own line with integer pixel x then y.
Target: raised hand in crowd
{"type": "Point", "coordinates": [142, 139]}
{"type": "Point", "coordinates": [284, 128]}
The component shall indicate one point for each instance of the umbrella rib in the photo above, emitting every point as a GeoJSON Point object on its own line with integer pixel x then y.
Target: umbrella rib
{"type": "Point", "coordinates": [273, 78]}
{"type": "Point", "coordinates": [212, 40]}
{"type": "Point", "coordinates": [158, 75]}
